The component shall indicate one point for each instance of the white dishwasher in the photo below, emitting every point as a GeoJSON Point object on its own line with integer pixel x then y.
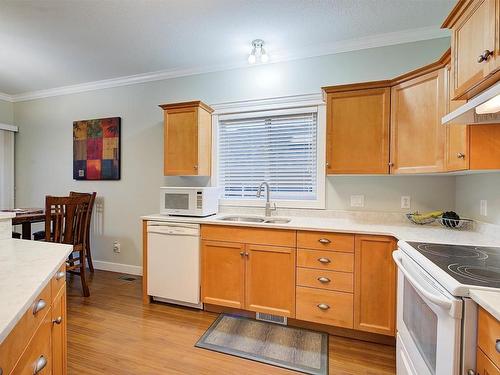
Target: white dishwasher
{"type": "Point", "coordinates": [174, 263]}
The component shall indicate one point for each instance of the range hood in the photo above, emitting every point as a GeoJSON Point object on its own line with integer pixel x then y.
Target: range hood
{"type": "Point", "coordinates": [482, 109]}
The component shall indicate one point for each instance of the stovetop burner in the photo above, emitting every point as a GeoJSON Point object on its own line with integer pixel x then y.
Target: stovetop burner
{"type": "Point", "coordinates": [469, 265]}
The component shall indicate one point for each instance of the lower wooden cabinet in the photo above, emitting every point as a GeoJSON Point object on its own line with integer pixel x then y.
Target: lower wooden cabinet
{"type": "Point", "coordinates": [252, 277]}
{"type": "Point", "coordinates": [223, 274]}
{"type": "Point", "coordinates": [484, 366]}
{"type": "Point", "coordinates": [488, 334]}
{"type": "Point", "coordinates": [375, 285]}
{"type": "Point", "coordinates": [59, 328]}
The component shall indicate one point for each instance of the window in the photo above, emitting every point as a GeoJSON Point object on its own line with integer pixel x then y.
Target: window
{"type": "Point", "coordinates": [281, 147]}
{"type": "Point", "coordinates": [7, 166]}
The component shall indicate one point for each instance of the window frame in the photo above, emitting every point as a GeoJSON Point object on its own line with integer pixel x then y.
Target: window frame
{"type": "Point", "coordinates": [287, 104]}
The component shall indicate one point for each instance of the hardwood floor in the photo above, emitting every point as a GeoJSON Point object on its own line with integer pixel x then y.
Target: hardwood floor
{"type": "Point", "coordinates": [111, 332]}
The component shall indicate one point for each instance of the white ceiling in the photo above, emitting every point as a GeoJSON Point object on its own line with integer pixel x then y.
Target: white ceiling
{"type": "Point", "coordinates": [46, 44]}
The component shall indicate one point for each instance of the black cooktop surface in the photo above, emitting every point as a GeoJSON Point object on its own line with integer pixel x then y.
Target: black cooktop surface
{"type": "Point", "coordinates": [470, 265]}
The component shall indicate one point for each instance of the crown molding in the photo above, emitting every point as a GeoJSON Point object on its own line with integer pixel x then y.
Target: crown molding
{"type": "Point", "coordinates": [6, 97]}
{"type": "Point", "coordinates": [373, 41]}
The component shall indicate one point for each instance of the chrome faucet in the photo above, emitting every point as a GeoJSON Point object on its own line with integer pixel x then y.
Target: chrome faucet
{"type": "Point", "coordinates": [268, 203]}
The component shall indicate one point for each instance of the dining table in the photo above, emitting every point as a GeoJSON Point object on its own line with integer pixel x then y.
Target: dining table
{"type": "Point", "coordinates": [25, 217]}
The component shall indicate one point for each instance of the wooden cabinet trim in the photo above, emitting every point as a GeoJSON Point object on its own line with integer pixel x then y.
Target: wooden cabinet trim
{"type": "Point", "coordinates": [487, 333]}
{"type": "Point", "coordinates": [184, 105]}
{"type": "Point", "coordinates": [249, 235]}
{"type": "Point", "coordinates": [484, 365]}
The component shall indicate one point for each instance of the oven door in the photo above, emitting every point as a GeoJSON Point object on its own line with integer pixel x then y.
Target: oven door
{"type": "Point", "coordinates": [428, 323]}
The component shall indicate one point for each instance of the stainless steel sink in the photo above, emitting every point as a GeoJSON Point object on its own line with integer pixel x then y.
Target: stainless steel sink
{"type": "Point", "coordinates": [252, 219]}
{"type": "Point", "coordinates": [245, 219]}
{"type": "Point", "coordinates": [277, 221]}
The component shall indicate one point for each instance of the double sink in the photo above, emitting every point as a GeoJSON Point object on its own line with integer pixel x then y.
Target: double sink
{"type": "Point", "coordinates": [255, 219]}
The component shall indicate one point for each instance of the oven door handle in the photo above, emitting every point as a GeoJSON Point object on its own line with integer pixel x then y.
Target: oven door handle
{"type": "Point", "coordinates": [444, 303]}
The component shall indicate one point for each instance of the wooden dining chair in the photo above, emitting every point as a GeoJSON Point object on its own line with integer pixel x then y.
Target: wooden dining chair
{"type": "Point", "coordinates": [87, 224]}
{"type": "Point", "coordinates": [65, 222]}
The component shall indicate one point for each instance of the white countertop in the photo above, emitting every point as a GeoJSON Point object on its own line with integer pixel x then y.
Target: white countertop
{"type": "Point", "coordinates": [26, 267]}
{"type": "Point", "coordinates": [6, 215]}
{"type": "Point", "coordinates": [401, 231]}
{"type": "Point", "coordinates": [490, 301]}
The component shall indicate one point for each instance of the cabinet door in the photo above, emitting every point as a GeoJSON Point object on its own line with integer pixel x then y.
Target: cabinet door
{"type": "Point", "coordinates": [270, 280]}
{"type": "Point", "coordinates": [223, 273]}
{"type": "Point", "coordinates": [375, 285]}
{"type": "Point", "coordinates": [473, 34]}
{"type": "Point", "coordinates": [457, 136]}
{"type": "Point", "coordinates": [181, 142]}
{"type": "Point", "coordinates": [417, 136]}
{"type": "Point", "coordinates": [484, 366]}
{"type": "Point", "coordinates": [358, 131]}
{"type": "Point", "coordinates": [59, 333]}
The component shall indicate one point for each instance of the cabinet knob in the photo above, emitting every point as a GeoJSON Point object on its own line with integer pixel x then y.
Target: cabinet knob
{"type": "Point", "coordinates": [460, 155]}
{"type": "Point", "coordinates": [324, 260]}
{"type": "Point", "coordinates": [39, 305]}
{"type": "Point", "coordinates": [324, 241]}
{"type": "Point", "coordinates": [60, 275]}
{"type": "Point", "coordinates": [484, 56]}
{"type": "Point", "coordinates": [40, 364]}
{"type": "Point", "coordinates": [497, 345]}
{"type": "Point", "coordinates": [195, 166]}
{"type": "Point", "coordinates": [391, 164]}
{"type": "Point", "coordinates": [323, 306]}
{"type": "Point", "coordinates": [57, 320]}
{"type": "Point", "coordinates": [242, 253]}
{"type": "Point", "coordinates": [324, 280]}
{"type": "Point", "coordinates": [247, 255]}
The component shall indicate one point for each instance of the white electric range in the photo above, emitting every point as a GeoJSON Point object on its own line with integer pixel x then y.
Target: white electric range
{"type": "Point", "coordinates": [436, 319]}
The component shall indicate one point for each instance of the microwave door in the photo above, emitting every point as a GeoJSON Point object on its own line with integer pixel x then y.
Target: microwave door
{"type": "Point", "coordinates": [176, 202]}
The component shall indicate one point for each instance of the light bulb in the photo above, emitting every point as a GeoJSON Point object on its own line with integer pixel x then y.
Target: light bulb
{"type": "Point", "coordinates": [252, 59]}
{"type": "Point", "coordinates": [491, 106]}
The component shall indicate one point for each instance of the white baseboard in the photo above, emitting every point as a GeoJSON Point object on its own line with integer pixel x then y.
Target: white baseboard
{"type": "Point", "coordinates": [117, 267]}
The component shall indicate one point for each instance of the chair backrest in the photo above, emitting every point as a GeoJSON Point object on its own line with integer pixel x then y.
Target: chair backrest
{"type": "Point", "coordinates": [91, 204]}
{"type": "Point", "coordinates": [66, 218]}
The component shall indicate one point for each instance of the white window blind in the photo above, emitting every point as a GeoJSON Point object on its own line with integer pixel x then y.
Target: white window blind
{"type": "Point", "coordinates": [280, 148]}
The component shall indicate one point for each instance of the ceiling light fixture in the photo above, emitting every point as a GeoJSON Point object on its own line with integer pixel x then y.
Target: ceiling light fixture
{"type": "Point", "coordinates": [258, 53]}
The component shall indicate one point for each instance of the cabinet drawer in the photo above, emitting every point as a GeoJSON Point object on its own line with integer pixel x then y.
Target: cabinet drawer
{"type": "Point", "coordinates": [326, 241]}
{"type": "Point", "coordinates": [327, 260]}
{"type": "Point", "coordinates": [488, 334]}
{"type": "Point", "coordinates": [331, 280]}
{"type": "Point", "coordinates": [13, 346]}
{"type": "Point", "coordinates": [38, 353]}
{"type": "Point", "coordinates": [484, 366]}
{"type": "Point", "coordinates": [255, 236]}
{"type": "Point", "coordinates": [58, 280]}
{"type": "Point", "coordinates": [337, 307]}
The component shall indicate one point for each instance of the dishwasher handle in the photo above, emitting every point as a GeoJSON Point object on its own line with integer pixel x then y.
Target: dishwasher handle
{"type": "Point", "coordinates": [174, 230]}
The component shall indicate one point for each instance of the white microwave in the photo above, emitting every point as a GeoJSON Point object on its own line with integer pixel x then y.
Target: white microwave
{"type": "Point", "coordinates": [189, 201]}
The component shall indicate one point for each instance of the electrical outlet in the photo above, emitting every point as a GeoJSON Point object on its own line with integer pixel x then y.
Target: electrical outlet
{"type": "Point", "coordinates": [116, 247]}
{"type": "Point", "coordinates": [357, 200]}
{"type": "Point", "coordinates": [483, 209]}
{"type": "Point", "coordinates": [405, 201]}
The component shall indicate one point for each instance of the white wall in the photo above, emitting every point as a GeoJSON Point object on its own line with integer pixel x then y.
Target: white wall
{"type": "Point", "coordinates": [471, 189]}
{"type": "Point", "coordinates": [44, 143]}
{"type": "Point", "coordinates": [6, 112]}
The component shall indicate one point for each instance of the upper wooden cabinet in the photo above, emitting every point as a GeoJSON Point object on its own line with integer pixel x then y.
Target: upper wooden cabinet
{"type": "Point", "coordinates": [417, 136]}
{"type": "Point", "coordinates": [187, 139]}
{"type": "Point", "coordinates": [358, 129]}
{"type": "Point", "coordinates": [475, 46]}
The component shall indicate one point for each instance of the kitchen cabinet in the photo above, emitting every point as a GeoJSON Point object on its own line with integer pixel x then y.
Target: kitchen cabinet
{"type": "Point", "coordinates": [488, 347]}
{"type": "Point", "coordinates": [375, 285]}
{"type": "Point", "coordinates": [251, 274]}
{"type": "Point", "coordinates": [484, 147]}
{"type": "Point", "coordinates": [187, 139]}
{"type": "Point", "coordinates": [457, 136]}
{"type": "Point", "coordinates": [475, 46]}
{"type": "Point", "coordinates": [357, 138]}
{"type": "Point", "coordinates": [223, 274]}
{"type": "Point", "coordinates": [39, 337]}
{"type": "Point", "coordinates": [417, 136]}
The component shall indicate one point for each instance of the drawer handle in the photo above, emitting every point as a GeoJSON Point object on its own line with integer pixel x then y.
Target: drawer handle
{"type": "Point", "coordinates": [484, 56]}
{"type": "Point", "coordinates": [57, 320]}
{"type": "Point", "coordinates": [40, 364]}
{"type": "Point", "coordinates": [60, 275]}
{"type": "Point", "coordinates": [40, 305]}
{"type": "Point", "coordinates": [323, 306]}
{"type": "Point", "coordinates": [324, 280]}
{"type": "Point", "coordinates": [497, 345]}
{"type": "Point", "coordinates": [461, 155]}
{"type": "Point", "coordinates": [324, 241]}
{"type": "Point", "coordinates": [324, 260]}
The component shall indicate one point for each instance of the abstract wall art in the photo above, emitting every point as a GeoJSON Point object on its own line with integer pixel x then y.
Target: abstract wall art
{"type": "Point", "coordinates": [96, 149]}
